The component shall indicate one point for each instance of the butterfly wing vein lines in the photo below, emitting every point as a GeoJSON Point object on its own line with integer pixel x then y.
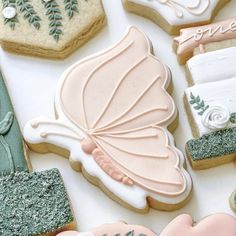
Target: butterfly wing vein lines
{"type": "Point", "coordinates": [123, 107]}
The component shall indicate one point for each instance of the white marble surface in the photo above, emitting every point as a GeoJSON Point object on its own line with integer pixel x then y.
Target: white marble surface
{"type": "Point", "coordinates": [32, 83]}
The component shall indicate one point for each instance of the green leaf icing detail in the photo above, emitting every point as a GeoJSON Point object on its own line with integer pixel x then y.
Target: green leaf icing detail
{"type": "Point", "coordinates": [131, 233]}
{"type": "Point", "coordinates": [5, 126]}
{"type": "Point", "coordinates": [33, 203]}
{"type": "Point", "coordinates": [11, 22]}
{"type": "Point", "coordinates": [71, 7]}
{"type": "Point", "coordinates": [213, 145]}
{"type": "Point", "coordinates": [12, 157]}
{"type": "Point", "coordinates": [233, 118]}
{"type": "Point", "coordinates": [54, 15]}
{"type": "Point", "coordinates": [29, 13]}
{"type": "Point", "coordinates": [198, 104]}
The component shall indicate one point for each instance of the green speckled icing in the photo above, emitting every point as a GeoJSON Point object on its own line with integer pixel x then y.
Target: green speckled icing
{"type": "Point", "coordinates": [33, 203]}
{"type": "Point", "coordinates": [219, 143]}
{"type": "Point", "coordinates": [12, 156]}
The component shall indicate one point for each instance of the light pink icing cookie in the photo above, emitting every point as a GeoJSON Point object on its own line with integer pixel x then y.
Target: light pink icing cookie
{"type": "Point", "coordinates": [183, 225]}
{"type": "Point", "coordinates": [214, 225]}
{"type": "Point", "coordinates": [192, 38]}
{"type": "Point", "coordinates": [121, 229]}
{"type": "Point", "coordinates": [114, 111]}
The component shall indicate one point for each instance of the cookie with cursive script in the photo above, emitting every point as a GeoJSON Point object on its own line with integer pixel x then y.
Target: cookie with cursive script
{"type": "Point", "coordinates": [205, 38]}
{"type": "Point", "coordinates": [113, 121]}
{"type": "Point", "coordinates": [174, 15]}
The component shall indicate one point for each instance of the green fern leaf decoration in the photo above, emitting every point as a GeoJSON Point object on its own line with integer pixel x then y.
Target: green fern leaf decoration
{"type": "Point", "coordinates": [130, 233]}
{"type": "Point", "coordinates": [198, 104]}
{"type": "Point", "coordinates": [54, 15]}
{"type": "Point", "coordinates": [71, 7]}
{"type": "Point", "coordinates": [11, 22]}
{"type": "Point", "coordinates": [29, 13]}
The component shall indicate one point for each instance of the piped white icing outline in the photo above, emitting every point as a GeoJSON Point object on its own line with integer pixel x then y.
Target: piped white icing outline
{"type": "Point", "coordinates": [167, 9]}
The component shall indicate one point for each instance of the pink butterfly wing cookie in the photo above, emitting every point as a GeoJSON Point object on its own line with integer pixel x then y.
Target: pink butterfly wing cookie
{"type": "Point", "coordinates": [113, 114]}
{"type": "Point", "coordinates": [214, 225]}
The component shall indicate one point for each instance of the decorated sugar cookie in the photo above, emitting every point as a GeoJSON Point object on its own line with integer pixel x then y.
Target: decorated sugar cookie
{"type": "Point", "coordinates": [31, 203]}
{"type": "Point", "coordinates": [48, 28]}
{"type": "Point", "coordinates": [173, 15]}
{"type": "Point", "coordinates": [205, 38]}
{"type": "Point", "coordinates": [210, 100]}
{"type": "Point", "coordinates": [113, 120]}
{"type": "Point", "coordinates": [233, 201]}
{"type": "Point", "coordinates": [119, 228]}
{"type": "Point", "coordinates": [183, 225]}
{"type": "Point", "coordinates": [214, 225]}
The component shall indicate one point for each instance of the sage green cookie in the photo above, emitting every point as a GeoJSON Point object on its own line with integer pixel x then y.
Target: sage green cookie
{"type": "Point", "coordinates": [30, 203]}
{"type": "Point", "coordinates": [50, 29]}
{"type": "Point", "coordinates": [232, 201]}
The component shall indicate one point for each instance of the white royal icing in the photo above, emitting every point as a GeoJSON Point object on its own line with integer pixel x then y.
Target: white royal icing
{"type": "Point", "coordinates": [217, 65]}
{"type": "Point", "coordinates": [220, 96]}
{"type": "Point", "coordinates": [181, 12]}
{"type": "Point", "coordinates": [216, 117]}
{"type": "Point", "coordinates": [9, 12]}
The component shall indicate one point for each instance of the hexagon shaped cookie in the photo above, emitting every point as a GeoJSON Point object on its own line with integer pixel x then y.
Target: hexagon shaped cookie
{"type": "Point", "coordinates": [173, 15]}
{"type": "Point", "coordinates": [48, 28]}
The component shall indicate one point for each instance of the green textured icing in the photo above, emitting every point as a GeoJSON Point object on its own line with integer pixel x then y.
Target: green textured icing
{"type": "Point", "coordinates": [215, 144]}
{"type": "Point", "coordinates": [12, 156]}
{"type": "Point", "coordinates": [33, 203]}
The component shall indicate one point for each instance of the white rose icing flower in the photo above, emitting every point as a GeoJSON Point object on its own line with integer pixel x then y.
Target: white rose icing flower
{"type": "Point", "coordinates": [216, 117]}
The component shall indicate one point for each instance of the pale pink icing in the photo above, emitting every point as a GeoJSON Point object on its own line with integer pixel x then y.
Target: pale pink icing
{"type": "Point", "coordinates": [191, 38]}
{"type": "Point", "coordinates": [128, 127]}
{"type": "Point", "coordinates": [113, 229]}
{"type": "Point", "coordinates": [214, 225]}
{"type": "Point", "coordinates": [183, 225]}
{"type": "Point", "coordinates": [106, 164]}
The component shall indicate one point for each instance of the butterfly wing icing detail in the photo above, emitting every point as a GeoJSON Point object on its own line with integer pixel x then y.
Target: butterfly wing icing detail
{"type": "Point", "coordinates": [122, 88]}
{"type": "Point", "coordinates": [214, 225]}
{"type": "Point", "coordinates": [146, 157]}
{"type": "Point", "coordinates": [123, 107]}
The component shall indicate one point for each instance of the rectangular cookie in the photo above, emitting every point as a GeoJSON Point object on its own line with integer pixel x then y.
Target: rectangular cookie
{"type": "Point", "coordinates": [217, 66]}
{"type": "Point", "coordinates": [34, 204]}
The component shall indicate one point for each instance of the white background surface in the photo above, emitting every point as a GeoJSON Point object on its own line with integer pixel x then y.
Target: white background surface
{"type": "Point", "coordinates": [32, 83]}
